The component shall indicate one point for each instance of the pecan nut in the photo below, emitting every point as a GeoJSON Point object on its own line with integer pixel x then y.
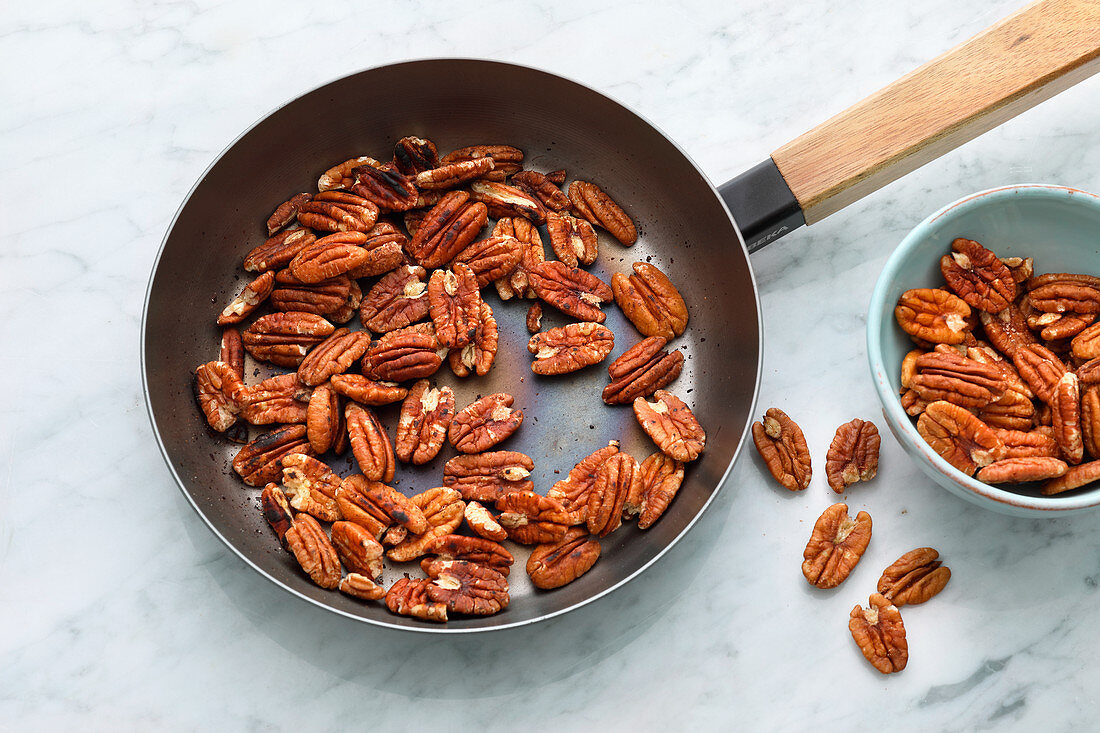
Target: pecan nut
{"type": "Point", "coordinates": [978, 276]}
{"type": "Point", "coordinates": [323, 299]}
{"type": "Point", "coordinates": [1090, 419]}
{"type": "Point", "coordinates": [641, 370]}
{"type": "Point", "coordinates": [276, 511]}
{"type": "Point", "coordinates": [836, 545]}
{"type": "Point", "coordinates": [1065, 295]}
{"type": "Point", "coordinates": [1040, 368]}
{"type": "Point", "coordinates": [358, 550]}
{"type": "Point", "coordinates": [334, 355]}
{"type": "Point", "coordinates": [369, 443]}
{"type": "Point", "coordinates": [284, 338]}
{"type": "Point", "coordinates": [258, 462]}
{"type": "Point", "coordinates": [329, 257]}
{"type": "Point", "coordinates": [573, 490]}
{"type": "Point", "coordinates": [542, 188]}
{"type": "Point", "coordinates": [251, 298]}
{"type": "Point", "coordinates": [313, 551]}
{"type": "Point", "coordinates": [279, 399]}
{"type": "Point", "coordinates": [503, 200]}
{"type": "Point", "coordinates": [591, 202]}
{"type": "Point", "coordinates": [338, 211]}
{"type": "Point", "coordinates": [853, 454]}
{"type": "Point", "coordinates": [1066, 413]}
{"type": "Point", "coordinates": [659, 478]}
{"type": "Point", "coordinates": [554, 564]}
{"type": "Point", "coordinates": [278, 251]}
{"type": "Point", "coordinates": [534, 318]}
{"type": "Point", "coordinates": [341, 176]}
{"type": "Point", "coordinates": [506, 159]}
{"type": "Point", "coordinates": [1039, 442]}
{"type": "Point", "coordinates": [781, 444]}
{"type": "Point", "coordinates": [447, 229]}
{"type": "Point", "coordinates": [571, 290]}
{"type": "Point", "coordinates": [398, 299]}
{"type": "Point", "coordinates": [467, 588]}
{"type": "Point", "coordinates": [1021, 470]}
{"type": "Point", "coordinates": [375, 506]}
{"type": "Point", "coordinates": [478, 355]}
{"type": "Point", "coordinates": [880, 634]}
{"type": "Point", "coordinates": [615, 481]}
{"type": "Point", "coordinates": [933, 315]}
{"type": "Point", "coordinates": [945, 375]}
{"type": "Point", "coordinates": [571, 347]}
{"type": "Point", "coordinates": [530, 519]}
{"type": "Point", "coordinates": [484, 423]}
{"type": "Point", "coordinates": [443, 509]}
{"type": "Point", "coordinates": [491, 258]}
{"type": "Point", "coordinates": [286, 212]}
{"type": "Point", "coordinates": [469, 549]}
{"type": "Point", "coordinates": [403, 355]}
{"type": "Point", "coordinates": [426, 414]}
{"type": "Point", "coordinates": [482, 522]}
{"type": "Point", "coordinates": [489, 476]}
{"type": "Point", "coordinates": [324, 418]}
{"type": "Point", "coordinates": [385, 186]}
{"type": "Point", "coordinates": [409, 597]}
{"type": "Point", "coordinates": [367, 391]}
{"type": "Point", "coordinates": [1086, 344]}
{"type": "Point", "coordinates": [232, 351]}
{"type": "Point", "coordinates": [518, 282]}
{"type": "Point", "coordinates": [573, 240]}
{"type": "Point", "coordinates": [454, 303]}
{"type": "Point", "coordinates": [650, 301]}
{"type": "Point", "coordinates": [671, 425]}
{"type": "Point", "coordinates": [452, 175]}
{"type": "Point", "coordinates": [961, 439]}
{"type": "Point", "coordinates": [1074, 478]}
{"type": "Point", "coordinates": [412, 155]}
{"type": "Point", "coordinates": [311, 486]}
{"type": "Point", "coordinates": [914, 578]}
{"type": "Point", "coordinates": [360, 586]}
{"type": "Point", "coordinates": [219, 390]}
{"type": "Point", "coordinates": [1007, 331]}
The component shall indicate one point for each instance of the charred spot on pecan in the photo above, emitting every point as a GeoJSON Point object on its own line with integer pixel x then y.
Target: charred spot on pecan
{"type": "Point", "coordinates": [259, 462]}
{"type": "Point", "coordinates": [412, 155]}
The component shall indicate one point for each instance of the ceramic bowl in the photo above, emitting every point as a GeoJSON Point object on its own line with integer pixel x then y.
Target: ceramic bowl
{"type": "Point", "coordinates": [1060, 228]}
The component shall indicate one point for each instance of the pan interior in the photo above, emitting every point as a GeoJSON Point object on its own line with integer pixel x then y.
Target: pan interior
{"type": "Point", "coordinates": [683, 229]}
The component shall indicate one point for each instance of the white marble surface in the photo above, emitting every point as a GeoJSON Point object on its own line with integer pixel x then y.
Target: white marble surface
{"type": "Point", "coordinates": [121, 611]}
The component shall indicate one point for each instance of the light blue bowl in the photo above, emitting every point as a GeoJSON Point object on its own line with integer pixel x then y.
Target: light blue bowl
{"type": "Point", "coordinates": [1060, 228]}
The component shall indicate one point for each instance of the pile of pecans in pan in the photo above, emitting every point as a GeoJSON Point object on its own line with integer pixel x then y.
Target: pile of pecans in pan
{"type": "Point", "coordinates": [364, 245]}
{"type": "Point", "coordinates": [1005, 382]}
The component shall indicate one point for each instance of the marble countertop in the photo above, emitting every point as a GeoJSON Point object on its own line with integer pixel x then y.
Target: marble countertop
{"type": "Point", "coordinates": [122, 611]}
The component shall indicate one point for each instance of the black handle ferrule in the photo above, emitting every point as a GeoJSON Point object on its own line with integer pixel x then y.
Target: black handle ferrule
{"type": "Point", "coordinates": [762, 205]}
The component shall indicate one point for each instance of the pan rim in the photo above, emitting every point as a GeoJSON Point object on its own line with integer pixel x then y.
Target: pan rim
{"type": "Point", "coordinates": [445, 629]}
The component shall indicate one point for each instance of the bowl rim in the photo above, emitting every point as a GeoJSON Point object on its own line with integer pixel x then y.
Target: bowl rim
{"type": "Point", "coordinates": [901, 424]}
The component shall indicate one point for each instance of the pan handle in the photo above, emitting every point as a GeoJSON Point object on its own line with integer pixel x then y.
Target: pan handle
{"type": "Point", "coordinates": [1024, 59]}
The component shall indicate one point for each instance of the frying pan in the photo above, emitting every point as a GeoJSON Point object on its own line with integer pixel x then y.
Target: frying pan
{"type": "Point", "coordinates": [685, 227]}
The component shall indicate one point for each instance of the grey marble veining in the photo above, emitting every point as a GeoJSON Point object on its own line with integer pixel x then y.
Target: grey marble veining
{"type": "Point", "coordinates": [120, 610]}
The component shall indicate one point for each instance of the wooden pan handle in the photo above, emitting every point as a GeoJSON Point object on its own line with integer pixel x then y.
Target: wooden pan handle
{"type": "Point", "coordinates": [1030, 56]}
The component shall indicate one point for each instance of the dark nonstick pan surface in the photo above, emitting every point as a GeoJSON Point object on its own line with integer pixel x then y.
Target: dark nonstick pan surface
{"type": "Point", "coordinates": [684, 229]}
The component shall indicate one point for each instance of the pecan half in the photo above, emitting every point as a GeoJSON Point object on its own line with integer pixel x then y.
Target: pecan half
{"type": "Point", "coordinates": [232, 351]}
{"type": "Point", "coordinates": [385, 186]}
{"type": "Point", "coordinates": [573, 490]}
{"type": "Point", "coordinates": [659, 478]}
{"type": "Point", "coordinates": [571, 290]}
{"type": "Point", "coordinates": [286, 212]}
{"type": "Point", "coordinates": [853, 454]}
{"type": "Point", "coordinates": [426, 414]}
{"type": "Point", "coordinates": [404, 354]}
{"type": "Point", "coordinates": [279, 399]}
{"type": "Point", "coordinates": [530, 519]}
{"type": "Point", "coordinates": [880, 634]}
{"type": "Point", "coordinates": [570, 347]}
{"type": "Point", "coordinates": [1086, 344]}
{"type": "Point", "coordinates": [1066, 411]}
{"type": "Point", "coordinates": [978, 276]}
{"type": "Point", "coordinates": [554, 564]}
{"type": "Point", "coordinates": [329, 257]}
{"type": "Point", "coordinates": [912, 403]}
{"type": "Point", "coordinates": [1090, 419]}
{"type": "Point", "coordinates": [478, 355]}
{"type": "Point", "coordinates": [338, 211]}
{"type": "Point", "coordinates": [452, 175]}
{"type": "Point", "coordinates": [469, 549]}
{"type": "Point", "coordinates": [253, 295]}
{"type": "Point", "coordinates": [943, 375]}
{"type": "Point", "coordinates": [1066, 296]}
{"type": "Point", "coordinates": [1007, 331]}
{"type": "Point", "coordinates": [573, 240]}
{"type": "Point", "coordinates": [590, 201]}
{"type": "Point", "coordinates": [781, 444]}
{"type": "Point", "coordinates": [482, 522]}
{"type": "Point", "coordinates": [385, 248]}
{"type": "Point", "coordinates": [641, 370]}
{"type": "Point", "coordinates": [399, 298]}
{"type": "Point", "coordinates": [324, 418]}
{"type": "Point", "coordinates": [650, 301]}
{"type": "Point", "coordinates": [276, 511]}
{"type": "Point", "coordinates": [541, 187]}
{"type": "Point", "coordinates": [313, 551]}
{"type": "Point", "coordinates": [443, 509]}
{"type": "Point", "coordinates": [1040, 368]}
{"type": "Point", "coordinates": [1028, 444]}
{"type": "Point", "coordinates": [323, 299]}
{"type": "Point", "coordinates": [913, 578]}
{"type": "Point", "coordinates": [615, 480]}
{"type": "Point", "coordinates": [284, 338]}
{"type": "Point", "coordinates": [258, 462]}
{"type": "Point", "coordinates": [961, 439]}
{"type": "Point", "coordinates": [358, 550]}
{"type": "Point", "coordinates": [518, 283]}
{"type": "Point", "coordinates": [1020, 470]}
{"type": "Point", "coordinates": [409, 597]}
{"type": "Point", "coordinates": [933, 315]}
{"type": "Point", "coordinates": [467, 588]}
{"type": "Point", "coordinates": [836, 545]}
{"type": "Point", "coordinates": [374, 506]}
{"type": "Point", "coordinates": [454, 303]}
{"type": "Point", "coordinates": [219, 391]}
{"type": "Point", "coordinates": [311, 486]}
{"type": "Point", "coordinates": [489, 476]}
{"type": "Point", "coordinates": [334, 355]}
{"type": "Point", "coordinates": [447, 229]}
{"type": "Point", "coordinates": [506, 159]}
{"type": "Point", "coordinates": [1014, 410]}
{"type": "Point", "coordinates": [1021, 268]}
{"type": "Point", "coordinates": [1074, 478]}
{"type": "Point", "coordinates": [278, 251]}
{"type": "Point", "coordinates": [341, 176]}
{"type": "Point", "coordinates": [350, 306]}
{"type": "Point", "coordinates": [671, 425]}
{"type": "Point", "coordinates": [369, 443]}
{"type": "Point", "coordinates": [360, 586]}
{"type": "Point", "coordinates": [483, 423]}
{"type": "Point", "coordinates": [557, 177]}
{"type": "Point", "coordinates": [412, 155]}
{"type": "Point", "coordinates": [367, 391]}
{"type": "Point", "coordinates": [1060, 326]}
{"type": "Point", "coordinates": [503, 200]}
{"type": "Point", "coordinates": [534, 318]}
{"type": "Point", "coordinates": [491, 258]}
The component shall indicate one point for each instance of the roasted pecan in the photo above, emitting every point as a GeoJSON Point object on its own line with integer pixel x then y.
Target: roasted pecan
{"type": "Point", "coordinates": [469, 549]}
{"type": "Point", "coordinates": [360, 586]}
{"type": "Point", "coordinates": [482, 522]}
{"type": "Point", "coordinates": [1028, 444]}
{"type": "Point", "coordinates": [324, 418]}
{"type": "Point", "coordinates": [323, 299]}
{"type": "Point", "coordinates": [334, 355]}
{"type": "Point", "coordinates": [571, 347]}
{"type": "Point", "coordinates": [615, 480]}
{"type": "Point", "coordinates": [483, 423]}
{"type": "Point", "coordinates": [836, 545]}
{"type": "Point", "coordinates": [909, 368]}
{"type": "Point", "coordinates": [426, 414]}
{"type": "Point", "coordinates": [1065, 295]}
{"type": "Point", "coordinates": [284, 338]}
{"type": "Point", "coordinates": [443, 509]}
{"type": "Point", "coordinates": [399, 298]}
{"type": "Point", "coordinates": [341, 176]}
{"type": "Point", "coordinates": [385, 187]}
{"type": "Point", "coordinates": [914, 577]}
{"type": "Point", "coordinates": [489, 476]}
{"type": "Point", "coordinates": [1020, 470]}
{"type": "Point", "coordinates": [945, 375]}
{"type": "Point", "coordinates": [573, 490]}
{"type": "Point", "coordinates": [590, 201]}
{"type": "Point", "coordinates": [1008, 330]}
{"type": "Point", "coordinates": [369, 443]}
{"type": "Point", "coordinates": [933, 315]}
{"type": "Point", "coordinates": [278, 399]}
{"type": "Point", "coordinates": [447, 229]}
{"type": "Point", "coordinates": [1074, 478]}
{"type": "Point", "coordinates": [467, 588]}
{"type": "Point", "coordinates": [542, 188]}
{"type": "Point", "coordinates": [571, 290]}
{"type": "Point", "coordinates": [313, 551]}
{"type": "Point", "coordinates": [573, 240]}
{"type": "Point", "coordinates": [481, 352]}
{"type": "Point", "coordinates": [671, 425]}
{"type": "Point", "coordinates": [338, 211]}
{"type": "Point", "coordinates": [530, 519]}
{"type": "Point", "coordinates": [276, 510]}
{"type": "Point", "coordinates": [1021, 268]}
{"type": "Point", "coordinates": [503, 200]}
{"type": "Point", "coordinates": [1066, 409]}
{"type": "Point", "coordinates": [409, 597]}
{"type": "Point", "coordinates": [1086, 344]}
{"type": "Point", "coordinates": [506, 159]}
{"type": "Point", "coordinates": [1040, 368]}
{"type": "Point", "coordinates": [374, 506]}
{"type": "Point", "coordinates": [403, 355]}
{"type": "Point", "coordinates": [350, 307]}
{"type": "Point", "coordinates": [232, 351]}
{"type": "Point", "coordinates": [978, 276]}
{"type": "Point", "coordinates": [1014, 410]}
{"type": "Point", "coordinates": [278, 251]}
{"type": "Point", "coordinates": [557, 177]}
{"type": "Point", "coordinates": [286, 212]}
{"type": "Point", "coordinates": [782, 445]}
{"type": "Point", "coordinates": [219, 391]}
{"type": "Point", "coordinates": [414, 218]}
{"type": "Point", "coordinates": [1060, 326]}
{"type": "Point", "coordinates": [358, 551]}
{"type": "Point", "coordinates": [258, 462]}
{"type": "Point", "coordinates": [554, 564]}
{"type": "Point", "coordinates": [253, 295]}
{"type": "Point", "coordinates": [641, 370]}
{"type": "Point", "coordinates": [912, 403]}
{"type": "Point", "coordinates": [311, 486]}
{"type": "Point", "coordinates": [853, 454]}
{"type": "Point", "coordinates": [1090, 419]}
{"type": "Point", "coordinates": [491, 258]}
{"type": "Point", "coordinates": [454, 303]}
{"type": "Point", "coordinates": [880, 634]}
{"type": "Point", "coordinates": [659, 478]}
{"type": "Point", "coordinates": [989, 355]}
{"type": "Point", "coordinates": [651, 302]}
{"type": "Point", "coordinates": [961, 439]}
{"type": "Point", "coordinates": [329, 257]}
{"type": "Point", "coordinates": [367, 391]}
{"type": "Point", "coordinates": [385, 248]}
{"type": "Point", "coordinates": [452, 175]}
{"type": "Point", "coordinates": [412, 155]}
{"type": "Point", "coordinates": [518, 283]}
{"type": "Point", "coordinates": [534, 318]}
